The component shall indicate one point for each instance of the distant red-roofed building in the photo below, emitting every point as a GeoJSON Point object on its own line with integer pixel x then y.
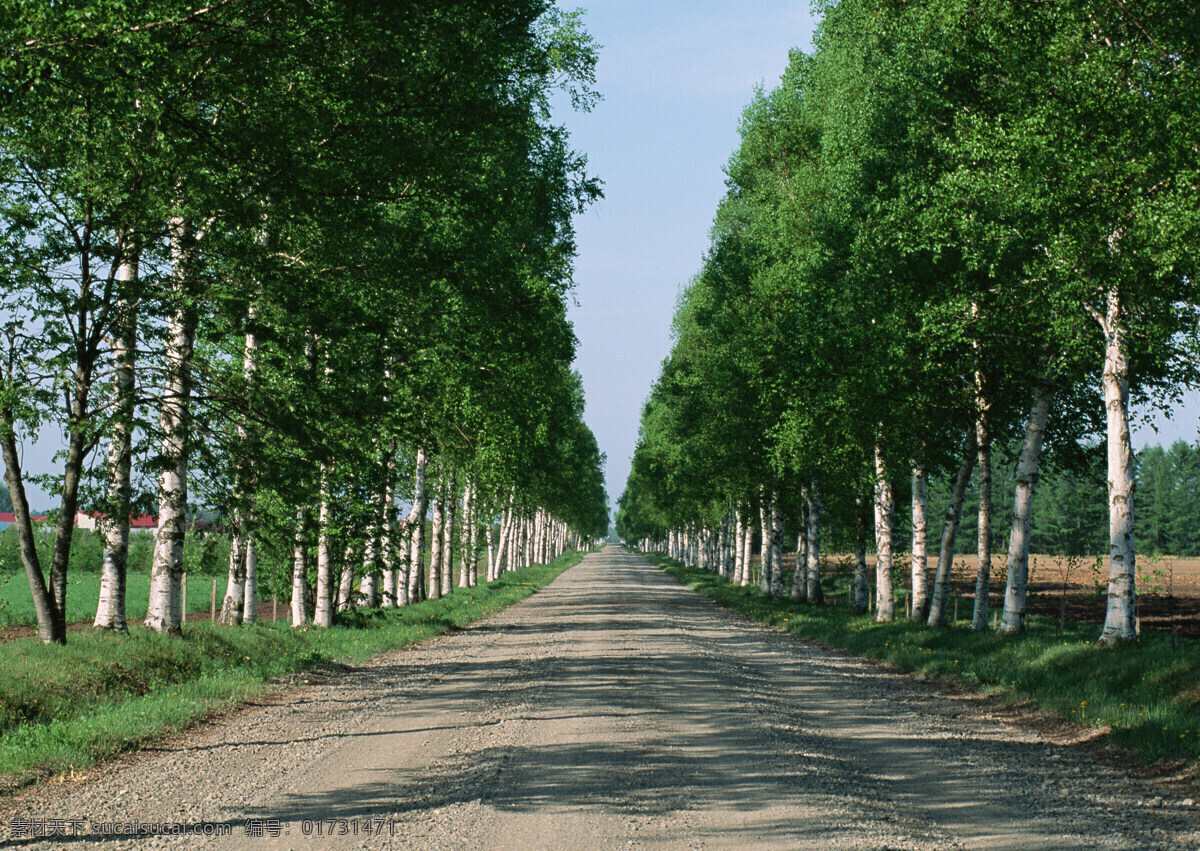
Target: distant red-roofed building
{"type": "Point", "coordinates": [142, 523]}
{"type": "Point", "coordinates": [7, 518]}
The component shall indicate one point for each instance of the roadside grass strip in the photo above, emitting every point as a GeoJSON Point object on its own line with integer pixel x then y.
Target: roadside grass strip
{"type": "Point", "coordinates": [1146, 697]}
{"type": "Point", "coordinates": [62, 708]}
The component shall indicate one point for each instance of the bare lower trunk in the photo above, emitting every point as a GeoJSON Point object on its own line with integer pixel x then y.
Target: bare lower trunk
{"type": "Point", "coordinates": [448, 532]}
{"type": "Point", "coordinates": [250, 603]}
{"type": "Point", "coordinates": [765, 550]}
{"type": "Point", "coordinates": [1120, 623]}
{"type": "Point", "coordinates": [800, 575]}
{"type": "Point", "coordinates": [941, 580]}
{"type": "Point", "coordinates": [414, 525]}
{"type": "Point", "coordinates": [812, 513]}
{"type": "Point", "coordinates": [1013, 621]}
{"type": "Point", "coordinates": [345, 596]}
{"type": "Point", "coordinates": [435, 547]}
{"type": "Point", "coordinates": [983, 439]}
{"type": "Point", "coordinates": [110, 611]}
{"type": "Point", "coordinates": [861, 599]}
{"type": "Point", "coordinates": [920, 547]}
{"type": "Point", "coordinates": [468, 557]}
{"type": "Point", "coordinates": [387, 556]}
{"type": "Point", "coordinates": [235, 585]}
{"type": "Point", "coordinates": [300, 569]}
{"type": "Point", "coordinates": [748, 549]}
{"type": "Point", "coordinates": [885, 508]}
{"type": "Point", "coordinates": [164, 612]}
{"type": "Point", "coordinates": [51, 623]}
{"type": "Point", "coordinates": [739, 536]}
{"type": "Point", "coordinates": [323, 610]}
{"type": "Point", "coordinates": [776, 546]}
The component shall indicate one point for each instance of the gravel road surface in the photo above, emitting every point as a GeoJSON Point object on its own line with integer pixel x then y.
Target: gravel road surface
{"type": "Point", "coordinates": [613, 709]}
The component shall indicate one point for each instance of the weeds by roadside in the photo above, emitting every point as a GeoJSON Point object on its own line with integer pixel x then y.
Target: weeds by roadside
{"type": "Point", "coordinates": [1146, 696]}
{"type": "Point", "coordinates": [64, 707]}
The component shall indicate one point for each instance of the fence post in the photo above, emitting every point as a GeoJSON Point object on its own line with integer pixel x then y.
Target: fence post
{"type": "Point", "coordinates": [212, 603]}
{"type": "Point", "coordinates": [183, 615]}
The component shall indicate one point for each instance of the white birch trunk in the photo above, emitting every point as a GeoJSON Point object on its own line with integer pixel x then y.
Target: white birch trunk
{"type": "Point", "coordinates": [885, 507]}
{"type": "Point", "coordinates": [300, 569]}
{"type": "Point", "coordinates": [435, 547]}
{"type": "Point", "coordinates": [250, 608]}
{"type": "Point", "coordinates": [387, 555]}
{"type": "Point", "coordinates": [941, 581]}
{"type": "Point", "coordinates": [776, 546]}
{"type": "Point", "coordinates": [448, 531]}
{"type": "Point", "coordinates": [861, 599]}
{"type": "Point", "coordinates": [323, 609]}
{"type": "Point", "coordinates": [1120, 623]}
{"type": "Point", "coordinates": [1017, 583]}
{"type": "Point", "coordinates": [920, 545]}
{"type": "Point", "coordinates": [764, 545]}
{"type": "Point", "coordinates": [345, 596]}
{"type": "Point", "coordinates": [468, 556]}
{"type": "Point", "coordinates": [235, 584]}
{"type": "Point", "coordinates": [164, 610]}
{"type": "Point", "coordinates": [110, 610]}
{"type": "Point", "coordinates": [983, 439]}
{"type": "Point", "coordinates": [816, 596]}
{"type": "Point", "coordinates": [747, 549]}
{"type": "Point", "coordinates": [414, 525]}
{"type": "Point", "coordinates": [800, 574]}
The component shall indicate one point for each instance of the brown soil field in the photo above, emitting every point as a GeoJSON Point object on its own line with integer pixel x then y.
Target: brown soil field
{"type": "Point", "coordinates": [1168, 587]}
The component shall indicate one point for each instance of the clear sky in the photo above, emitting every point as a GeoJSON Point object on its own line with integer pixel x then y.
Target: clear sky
{"type": "Point", "coordinates": [675, 77]}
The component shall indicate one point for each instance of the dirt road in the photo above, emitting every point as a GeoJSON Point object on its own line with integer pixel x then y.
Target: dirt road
{"type": "Point", "coordinates": [616, 709]}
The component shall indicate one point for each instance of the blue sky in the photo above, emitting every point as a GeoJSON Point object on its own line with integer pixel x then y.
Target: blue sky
{"type": "Point", "coordinates": [675, 77]}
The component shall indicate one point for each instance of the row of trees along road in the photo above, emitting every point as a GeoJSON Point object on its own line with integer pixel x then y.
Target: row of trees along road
{"type": "Point", "coordinates": [303, 264]}
{"type": "Point", "coordinates": [955, 223]}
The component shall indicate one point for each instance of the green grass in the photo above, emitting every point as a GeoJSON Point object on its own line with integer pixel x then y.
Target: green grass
{"type": "Point", "coordinates": [64, 707]}
{"type": "Point", "coordinates": [83, 592]}
{"type": "Point", "coordinates": [1148, 696]}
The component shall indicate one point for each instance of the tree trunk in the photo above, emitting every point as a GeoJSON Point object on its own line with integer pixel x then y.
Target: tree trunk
{"type": "Point", "coordinates": [300, 569]}
{"type": "Point", "coordinates": [885, 507]}
{"type": "Point", "coordinates": [345, 597]}
{"type": "Point", "coordinates": [235, 585]}
{"type": "Point", "coordinates": [764, 545]}
{"type": "Point", "coordinates": [748, 548]}
{"type": "Point", "coordinates": [51, 624]}
{"type": "Point", "coordinates": [920, 546]}
{"type": "Point", "coordinates": [166, 572]}
{"type": "Point", "coordinates": [250, 607]}
{"type": "Point", "coordinates": [1018, 540]}
{"type": "Point", "coordinates": [323, 611]}
{"type": "Point", "coordinates": [110, 611]}
{"type": "Point", "coordinates": [800, 574]}
{"type": "Point", "coordinates": [387, 555]}
{"type": "Point", "coordinates": [739, 536]}
{"type": "Point", "coordinates": [816, 596]}
{"type": "Point", "coordinates": [435, 546]}
{"type": "Point", "coordinates": [414, 525]}
{"type": "Point", "coordinates": [983, 440]}
{"type": "Point", "coordinates": [861, 599]}
{"type": "Point", "coordinates": [1120, 624]}
{"type": "Point", "coordinates": [941, 581]}
{"type": "Point", "coordinates": [468, 556]}
{"type": "Point", "coordinates": [448, 530]}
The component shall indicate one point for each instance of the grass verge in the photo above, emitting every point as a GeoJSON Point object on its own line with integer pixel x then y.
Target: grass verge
{"type": "Point", "coordinates": [1146, 696]}
{"type": "Point", "coordinates": [62, 708]}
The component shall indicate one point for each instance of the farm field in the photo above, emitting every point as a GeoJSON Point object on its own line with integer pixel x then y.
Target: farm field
{"type": "Point", "coordinates": [1168, 587]}
{"type": "Point", "coordinates": [83, 591]}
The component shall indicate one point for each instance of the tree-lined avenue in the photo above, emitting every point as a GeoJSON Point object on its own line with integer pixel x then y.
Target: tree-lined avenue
{"type": "Point", "coordinates": [617, 708]}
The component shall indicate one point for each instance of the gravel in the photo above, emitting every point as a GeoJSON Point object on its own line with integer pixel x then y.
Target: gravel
{"type": "Point", "coordinates": [616, 708]}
